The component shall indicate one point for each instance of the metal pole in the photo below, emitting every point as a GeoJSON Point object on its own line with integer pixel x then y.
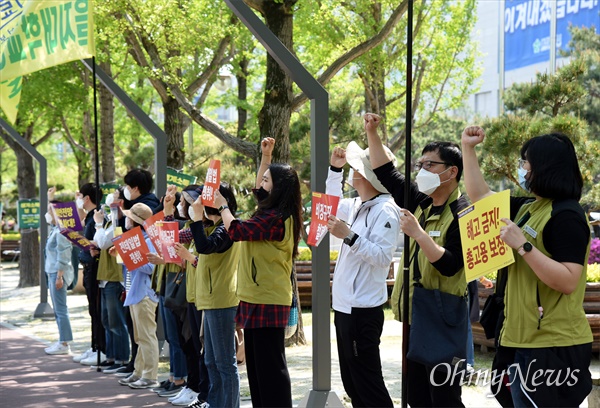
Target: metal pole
{"type": "Point", "coordinates": [320, 395]}
{"type": "Point", "coordinates": [553, 39]}
{"type": "Point", "coordinates": [501, 59]}
{"type": "Point", "coordinates": [43, 309]}
{"type": "Point", "coordinates": [407, 201]}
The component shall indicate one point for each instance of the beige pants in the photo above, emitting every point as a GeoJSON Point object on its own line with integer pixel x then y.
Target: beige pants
{"type": "Point", "coordinates": [143, 316]}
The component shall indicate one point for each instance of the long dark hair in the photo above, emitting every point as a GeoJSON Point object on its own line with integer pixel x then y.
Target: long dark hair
{"type": "Point", "coordinates": [285, 197]}
{"type": "Point", "coordinates": [555, 170]}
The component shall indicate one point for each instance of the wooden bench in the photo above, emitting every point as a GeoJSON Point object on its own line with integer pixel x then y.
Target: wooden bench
{"type": "Point", "coordinates": [304, 278]}
{"type": "Point", "coordinates": [591, 306]}
{"type": "Point", "coordinates": [11, 250]}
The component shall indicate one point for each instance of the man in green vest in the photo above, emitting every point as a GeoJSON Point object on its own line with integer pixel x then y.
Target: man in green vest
{"type": "Point", "coordinates": [435, 247]}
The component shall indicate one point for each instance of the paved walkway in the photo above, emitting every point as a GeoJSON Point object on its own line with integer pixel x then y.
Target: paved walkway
{"type": "Point", "coordinates": [29, 377]}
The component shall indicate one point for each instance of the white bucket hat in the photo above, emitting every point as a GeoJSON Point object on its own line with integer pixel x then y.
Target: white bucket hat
{"type": "Point", "coordinates": [359, 160]}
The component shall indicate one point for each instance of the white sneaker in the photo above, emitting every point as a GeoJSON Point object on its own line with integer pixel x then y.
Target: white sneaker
{"type": "Point", "coordinates": [59, 349]}
{"type": "Point", "coordinates": [186, 399]}
{"type": "Point", "coordinates": [179, 394]}
{"type": "Point", "coordinates": [51, 347]}
{"type": "Point", "coordinates": [84, 355]}
{"type": "Point", "coordinates": [92, 359]}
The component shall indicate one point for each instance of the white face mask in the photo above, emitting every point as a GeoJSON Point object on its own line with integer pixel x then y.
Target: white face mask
{"type": "Point", "coordinates": [79, 203]}
{"type": "Point", "coordinates": [180, 210]}
{"type": "Point", "coordinates": [128, 223]}
{"type": "Point", "coordinates": [428, 182]}
{"type": "Point", "coordinates": [191, 213]}
{"type": "Point", "coordinates": [48, 218]}
{"type": "Point", "coordinates": [350, 178]}
{"type": "Point", "coordinates": [522, 180]}
{"type": "Point", "coordinates": [109, 199]}
{"type": "Point", "coordinates": [127, 193]}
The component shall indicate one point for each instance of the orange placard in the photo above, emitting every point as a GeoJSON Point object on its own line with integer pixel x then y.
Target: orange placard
{"type": "Point", "coordinates": [169, 234]}
{"type": "Point", "coordinates": [323, 205]}
{"type": "Point", "coordinates": [212, 182]}
{"type": "Point", "coordinates": [132, 247]}
{"type": "Point", "coordinates": [151, 226]}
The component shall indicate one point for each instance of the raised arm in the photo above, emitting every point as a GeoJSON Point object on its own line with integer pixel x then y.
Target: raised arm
{"type": "Point", "coordinates": [475, 184]}
{"type": "Point", "coordinates": [377, 154]}
{"type": "Point", "coordinates": [266, 147]}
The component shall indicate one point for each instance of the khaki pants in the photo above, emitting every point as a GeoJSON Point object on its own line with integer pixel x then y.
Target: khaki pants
{"type": "Point", "coordinates": [143, 315]}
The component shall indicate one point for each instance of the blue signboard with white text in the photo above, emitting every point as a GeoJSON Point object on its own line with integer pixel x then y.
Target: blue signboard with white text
{"type": "Point", "coordinates": [527, 28]}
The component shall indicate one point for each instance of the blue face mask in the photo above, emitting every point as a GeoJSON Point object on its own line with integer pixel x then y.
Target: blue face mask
{"type": "Point", "coordinates": [522, 180]}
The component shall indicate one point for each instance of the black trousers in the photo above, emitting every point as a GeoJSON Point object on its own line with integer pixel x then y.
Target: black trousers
{"type": "Point", "coordinates": [421, 392]}
{"type": "Point", "coordinates": [266, 364]}
{"type": "Point", "coordinates": [358, 337]}
{"type": "Point", "coordinates": [92, 291]}
{"type": "Point", "coordinates": [197, 380]}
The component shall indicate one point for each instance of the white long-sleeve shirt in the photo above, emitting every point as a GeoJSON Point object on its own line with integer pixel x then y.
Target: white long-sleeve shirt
{"type": "Point", "coordinates": [359, 279]}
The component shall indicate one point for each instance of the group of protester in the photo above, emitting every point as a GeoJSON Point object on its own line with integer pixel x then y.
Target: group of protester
{"type": "Point", "coordinates": [239, 274]}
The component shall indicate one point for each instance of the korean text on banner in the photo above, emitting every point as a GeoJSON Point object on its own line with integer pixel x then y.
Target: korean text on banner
{"type": "Point", "coordinates": [179, 179]}
{"type": "Point", "coordinates": [323, 205]}
{"type": "Point", "coordinates": [28, 211]}
{"type": "Point", "coordinates": [212, 182]}
{"type": "Point", "coordinates": [35, 35]}
{"type": "Point", "coordinates": [152, 228]}
{"type": "Point", "coordinates": [483, 250]}
{"type": "Point", "coordinates": [169, 234]}
{"type": "Point", "coordinates": [77, 239]}
{"type": "Point", "coordinates": [67, 216]}
{"type": "Point", "coordinates": [132, 247]}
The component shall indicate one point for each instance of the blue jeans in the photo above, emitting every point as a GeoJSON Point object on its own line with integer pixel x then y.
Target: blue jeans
{"type": "Point", "coordinates": [522, 358]}
{"type": "Point", "coordinates": [61, 311]}
{"type": "Point", "coordinates": [220, 359]}
{"type": "Point", "coordinates": [178, 366]}
{"type": "Point", "coordinates": [113, 320]}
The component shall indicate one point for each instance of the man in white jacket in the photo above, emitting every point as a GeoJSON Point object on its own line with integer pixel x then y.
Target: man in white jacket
{"type": "Point", "coordinates": [369, 226]}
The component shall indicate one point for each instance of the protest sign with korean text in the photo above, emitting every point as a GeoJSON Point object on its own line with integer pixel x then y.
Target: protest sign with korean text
{"type": "Point", "coordinates": [107, 188]}
{"type": "Point", "coordinates": [67, 216]}
{"type": "Point", "coordinates": [28, 211]}
{"type": "Point", "coordinates": [132, 248]}
{"type": "Point", "coordinates": [212, 182]}
{"type": "Point", "coordinates": [483, 250]}
{"type": "Point", "coordinates": [169, 234]}
{"type": "Point", "coordinates": [179, 179]}
{"type": "Point", "coordinates": [151, 226]}
{"type": "Point", "coordinates": [323, 205]}
{"type": "Point", "coordinates": [77, 239]}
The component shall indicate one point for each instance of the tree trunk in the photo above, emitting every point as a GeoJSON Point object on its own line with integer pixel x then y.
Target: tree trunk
{"type": "Point", "coordinates": [242, 84]}
{"type": "Point", "coordinates": [176, 122]}
{"type": "Point", "coordinates": [29, 264]}
{"type": "Point", "coordinates": [274, 117]}
{"type": "Point", "coordinates": [107, 129]}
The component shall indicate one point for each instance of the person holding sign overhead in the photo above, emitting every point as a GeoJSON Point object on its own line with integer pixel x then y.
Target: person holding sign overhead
{"type": "Point", "coordinates": [141, 299]}
{"type": "Point", "coordinates": [435, 248]}
{"type": "Point", "coordinates": [545, 327]}
{"type": "Point", "coordinates": [269, 245]}
{"type": "Point", "coordinates": [370, 227]}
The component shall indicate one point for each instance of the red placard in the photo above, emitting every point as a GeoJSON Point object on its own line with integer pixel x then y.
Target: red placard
{"type": "Point", "coordinates": [169, 234]}
{"type": "Point", "coordinates": [132, 247]}
{"type": "Point", "coordinates": [212, 182]}
{"type": "Point", "coordinates": [323, 205]}
{"type": "Point", "coordinates": [151, 226]}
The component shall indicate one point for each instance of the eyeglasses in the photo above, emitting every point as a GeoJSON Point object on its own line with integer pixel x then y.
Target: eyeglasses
{"type": "Point", "coordinates": [427, 164]}
{"type": "Point", "coordinates": [522, 163]}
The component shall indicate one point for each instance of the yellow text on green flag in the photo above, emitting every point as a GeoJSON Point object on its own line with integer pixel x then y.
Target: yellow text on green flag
{"type": "Point", "coordinates": [483, 250]}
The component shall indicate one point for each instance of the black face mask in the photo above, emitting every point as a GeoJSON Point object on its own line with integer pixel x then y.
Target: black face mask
{"type": "Point", "coordinates": [260, 193]}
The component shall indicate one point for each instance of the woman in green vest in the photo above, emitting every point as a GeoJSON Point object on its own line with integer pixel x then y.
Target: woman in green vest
{"type": "Point", "coordinates": [269, 245]}
{"type": "Point", "coordinates": [545, 333]}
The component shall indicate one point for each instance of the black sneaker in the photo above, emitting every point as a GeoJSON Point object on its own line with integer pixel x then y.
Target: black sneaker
{"type": "Point", "coordinates": [103, 365]}
{"type": "Point", "coordinates": [113, 368]}
{"type": "Point", "coordinates": [162, 386]}
{"type": "Point", "coordinates": [125, 371]}
{"type": "Point", "coordinates": [172, 390]}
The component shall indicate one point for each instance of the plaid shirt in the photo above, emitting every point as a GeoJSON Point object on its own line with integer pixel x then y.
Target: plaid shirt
{"type": "Point", "coordinates": [251, 316]}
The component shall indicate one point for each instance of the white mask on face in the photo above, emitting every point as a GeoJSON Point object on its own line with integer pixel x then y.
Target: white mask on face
{"type": "Point", "coordinates": [48, 218]}
{"type": "Point", "coordinates": [191, 213]}
{"type": "Point", "coordinates": [128, 223]}
{"type": "Point", "coordinates": [79, 203]}
{"type": "Point", "coordinates": [350, 177]}
{"type": "Point", "coordinates": [127, 193]}
{"type": "Point", "coordinates": [428, 182]}
{"type": "Point", "coordinates": [180, 210]}
{"type": "Point", "coordinates": [109, 200]}
{"type": "Point", "coordinates": [522, 180]}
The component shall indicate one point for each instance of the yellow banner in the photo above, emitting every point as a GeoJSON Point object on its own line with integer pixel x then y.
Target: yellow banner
{"type": "Point", "coordinates": [36, 34]}
{"type": "Point", "coordinates": [10, 95]}
{"type": "Point", "coordinates": [483, 250]}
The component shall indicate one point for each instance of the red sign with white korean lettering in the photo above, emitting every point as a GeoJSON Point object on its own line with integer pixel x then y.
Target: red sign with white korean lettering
{"type": "Point", "coordinates": [132, 247]}
{"type": "Point", "coordinates": [169, 234]}
{"type": "Point", "coordinates": [323, 205]}
{"type": "Point", "coordinates": [151, 226]}
{"type": "Point", "coordinates": [212, 182]}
